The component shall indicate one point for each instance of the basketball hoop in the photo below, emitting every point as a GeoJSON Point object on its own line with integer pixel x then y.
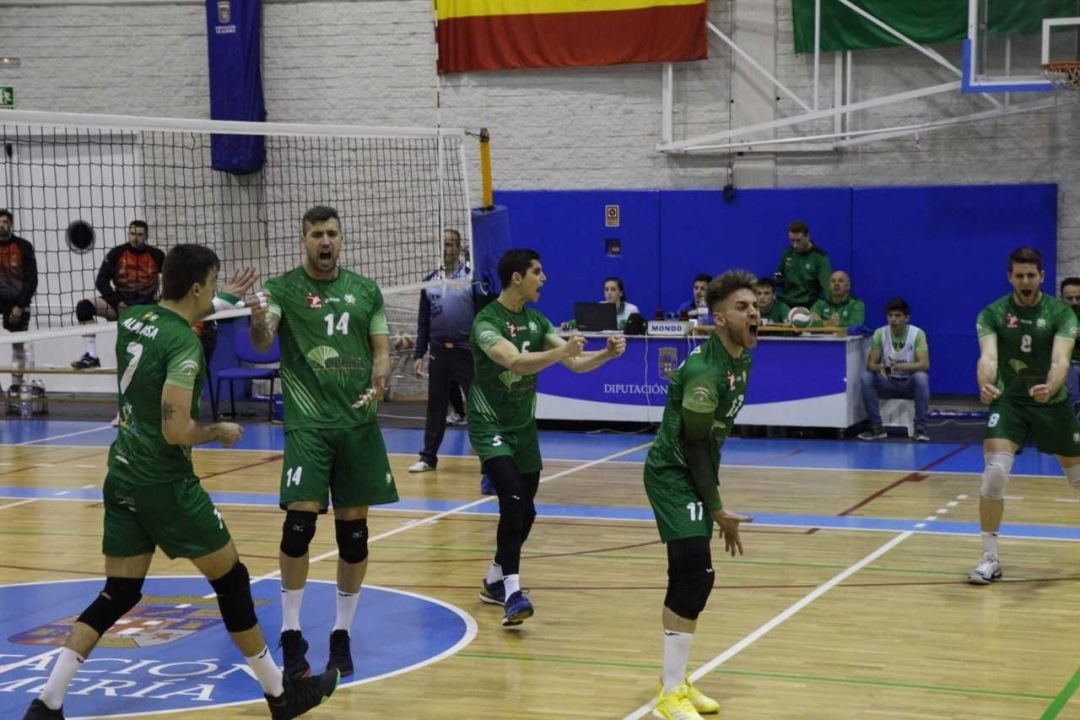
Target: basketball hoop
{"type": "Point", "coordinates": [1065, 75]}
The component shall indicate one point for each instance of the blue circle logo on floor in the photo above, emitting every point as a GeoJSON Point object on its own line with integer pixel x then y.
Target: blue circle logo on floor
{"type": "Point", "coordinates": [173, 654]}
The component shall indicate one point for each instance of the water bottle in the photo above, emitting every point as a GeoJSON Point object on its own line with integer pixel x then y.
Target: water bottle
{"type": "Point", "coordinates": [26, 401]}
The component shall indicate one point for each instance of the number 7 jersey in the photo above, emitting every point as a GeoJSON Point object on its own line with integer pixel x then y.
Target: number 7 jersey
{"type": "Point", "coordinates": [1025, 341]}
{"type": "Point", "coordinates": [326, 355]}
{"type": "Point", "coordinates": [154, 347]}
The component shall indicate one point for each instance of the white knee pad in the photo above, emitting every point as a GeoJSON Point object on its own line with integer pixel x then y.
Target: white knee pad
{"type": "Point", "coordinates": [996, 475]}
{"type": "Point", "coordinates": [1073, 474]}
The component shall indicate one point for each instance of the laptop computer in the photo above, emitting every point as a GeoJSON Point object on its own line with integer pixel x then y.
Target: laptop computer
{"type": "Point", "coordinates": [595, 317]}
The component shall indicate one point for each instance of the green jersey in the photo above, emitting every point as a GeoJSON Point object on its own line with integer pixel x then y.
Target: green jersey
{"type": "Point", "coordinates": [498, 397]}
{"type": "Point", "coordinates": [711, 381]}
{"type": "Point", "coordinates": [776, 315]}
{"type": "Point", "coordinates": [325, 329]}
{"type": "Point", "coordinates": [1025, 339]}
{"type": "Point", "coordinates": [1075, 360]}
{"type": "Point", "coordinates": [806, 275]}
{"type": "Point", "coordinates": [851, 312]}
{"type": "Point", "coordinates": [154, 347]}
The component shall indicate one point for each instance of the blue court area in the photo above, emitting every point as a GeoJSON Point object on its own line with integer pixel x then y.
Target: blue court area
{"type": "Point", "coordinates": [172, 653]}
{"type": "Point", "coordinates": [891, 456]}
{"type": "Point", "coordinates": [900, 457]}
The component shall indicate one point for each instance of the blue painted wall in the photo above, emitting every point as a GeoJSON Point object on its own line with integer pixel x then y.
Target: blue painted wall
{"type": "Point", "coordinates": [942, 248]}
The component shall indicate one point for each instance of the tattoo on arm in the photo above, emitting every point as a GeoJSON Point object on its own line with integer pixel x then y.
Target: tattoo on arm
{"type": "Point", "coordinates": [167, 411]}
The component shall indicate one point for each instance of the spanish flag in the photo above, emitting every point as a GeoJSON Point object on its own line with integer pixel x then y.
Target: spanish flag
{"type": "Point", "coordinates": [506, 34]}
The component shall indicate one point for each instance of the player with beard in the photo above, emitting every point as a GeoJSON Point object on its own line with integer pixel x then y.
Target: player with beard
{"type": "Point", "coordinates": [1025, 341]}
{"type": "Point", "coordinates": [335, 362]}
{"type": "Point", "coordinates": [704, 397]}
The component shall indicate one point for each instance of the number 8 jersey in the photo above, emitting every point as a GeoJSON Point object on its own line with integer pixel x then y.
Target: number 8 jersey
{"type": "Point", "coordinates": [1025, 340]}
{"type": "Point", "coordinates": [326, 353]}
{"type": "Point", "coordinates": [154, 347]}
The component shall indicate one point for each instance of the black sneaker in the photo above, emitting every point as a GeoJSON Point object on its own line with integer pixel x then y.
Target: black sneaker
{"type": "Point", "coordinates": [40, 711]}
{"type": "Point", "coordinates": [873, 434]}
{"type": "Point", "coordinates": [86, 362]}
{"type": "Point", "coordinates": [303, 694]}
{"type": "Point", "coordinates": [340, 655]}
{"type": "Point", "coordinates": [293, 650]}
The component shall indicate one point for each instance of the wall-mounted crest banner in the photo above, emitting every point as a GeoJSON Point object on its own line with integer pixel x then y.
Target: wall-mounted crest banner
{"type": "Point", "coordinates": [508, 34]}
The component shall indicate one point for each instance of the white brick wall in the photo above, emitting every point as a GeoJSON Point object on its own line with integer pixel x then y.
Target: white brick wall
{"type": "Point", "coordinates": [372, 62]}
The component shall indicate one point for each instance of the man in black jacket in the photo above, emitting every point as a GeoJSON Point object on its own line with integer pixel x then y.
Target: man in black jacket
{"type": "Point", "coordinates": [129, 275]}
{"type": "Point", "coordinates": [18, 282]}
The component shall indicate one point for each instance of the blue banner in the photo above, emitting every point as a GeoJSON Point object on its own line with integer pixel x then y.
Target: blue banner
{"type": "Point", "coordinates": [234, 48]}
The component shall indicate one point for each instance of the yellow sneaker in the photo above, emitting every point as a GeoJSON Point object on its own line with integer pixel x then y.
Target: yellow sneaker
{"type": "Point", "coordinates": [675, 706]}
{"type": "Point", "coordinates": [701, 702]}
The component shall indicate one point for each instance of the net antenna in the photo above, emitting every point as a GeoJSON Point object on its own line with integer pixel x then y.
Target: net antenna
{"type": "Point", "coordinates": [395, 188]}
{"type": "Point", "coordinates": [1063, 74]}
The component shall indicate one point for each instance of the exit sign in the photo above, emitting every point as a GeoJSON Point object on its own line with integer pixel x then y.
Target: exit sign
{"type": "Point", "coordinates": [7, 97]}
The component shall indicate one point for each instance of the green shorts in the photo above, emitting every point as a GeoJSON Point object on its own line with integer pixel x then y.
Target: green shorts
{"type": "Point", "coordinates": [1052, 428]}
{"type": "Point", "coordinates": [178, 517]}
{"type": "Point", "coordinates": [522, 444]}
{"type": "Point", "coordinates": [347, 465]}
{"type": "Point", "coordinates": [679, 511]}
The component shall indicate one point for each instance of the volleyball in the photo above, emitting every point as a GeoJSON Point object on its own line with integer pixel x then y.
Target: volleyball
{"type": "Point", "coordinates": [799, 317]}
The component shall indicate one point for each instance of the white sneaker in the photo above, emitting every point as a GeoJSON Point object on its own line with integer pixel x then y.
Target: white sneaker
{"type": "Point", "coordinates": [987, 571]}
{"type": "Point", "coordinates": [420, 466]}
{"type": "Point", "coordinates": [453, 418]}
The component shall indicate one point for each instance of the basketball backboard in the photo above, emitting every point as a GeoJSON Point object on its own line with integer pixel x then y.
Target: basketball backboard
{"type": "Point", "coordinates": [1008, 42]}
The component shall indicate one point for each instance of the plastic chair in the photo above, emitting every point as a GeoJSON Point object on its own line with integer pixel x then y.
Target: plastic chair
{"type": "Point", "coordinates": [246, 353]}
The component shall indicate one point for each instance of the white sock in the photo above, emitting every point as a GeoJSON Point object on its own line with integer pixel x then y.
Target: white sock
{"type": "Point", "coordinates": [290, 608]}
{"type": "Point", "coordinates": [90, 345]}
{"type": "Point", "coordinates": [494, 573]}
{"type": "Point", "coordinates": [676, 656]}
{"type": "Point", "coordinates": [346, 610]}
{"type": "Point", "coordinates": [67, 664]}
{"type": "Point", "coordinates": [267, 672]}
{"type": "Point", "coordinates": [989, 543]}
{"type": "Point", "coordinates": [512, 583]}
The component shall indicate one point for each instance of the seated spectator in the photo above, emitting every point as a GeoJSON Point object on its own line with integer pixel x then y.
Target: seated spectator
{"type": "Point", "coordinates": [841, 309]}
{"type": "Point", "coordinates": [804, 268]}
{"type": "Point", "coordinates": [614, 292]}
{"type": "Point", "coordinates": [773, 312]}
{"type": "Point", "coordinates": [897, 367]}
{"type": "Point", "coordinates": [1070, 295]}
{"type": "Point", "coordinates": [129, 275]}
{"type": "Point", "coordinates": [695, 308]}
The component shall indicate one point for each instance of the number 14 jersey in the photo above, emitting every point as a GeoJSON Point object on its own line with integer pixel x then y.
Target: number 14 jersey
{"type": "Point", "coordinates": [326, 355]}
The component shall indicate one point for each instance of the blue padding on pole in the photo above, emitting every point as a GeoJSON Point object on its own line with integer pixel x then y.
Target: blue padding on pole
{"type": "Point", "coordinates": [234, 51]}
{"type": "Point", "coordinates": [491, 238]}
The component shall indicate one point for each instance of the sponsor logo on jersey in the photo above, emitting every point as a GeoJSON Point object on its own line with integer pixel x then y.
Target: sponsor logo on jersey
{"type": "Point", "coordinates": [314, 301]}
{"type": "Point", "coordinates": [730, 380]}
{"type": "Point", "coordinates": [1012, 321]}
{"type": "Point", "coordinates": [511, 329]}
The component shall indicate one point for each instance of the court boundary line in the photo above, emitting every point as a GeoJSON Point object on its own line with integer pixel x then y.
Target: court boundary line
{"type": "Point", "coordinates": [800, 468]}
{"type": "Point", "coordinates": [778, 620]}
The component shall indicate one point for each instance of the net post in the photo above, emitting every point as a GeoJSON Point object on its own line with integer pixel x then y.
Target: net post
{"type": "Point", "coordinates": [487, 197]}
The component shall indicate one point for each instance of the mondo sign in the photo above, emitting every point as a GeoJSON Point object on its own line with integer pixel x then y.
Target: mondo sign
{"type": "Point", "coordinates": [173, 654]}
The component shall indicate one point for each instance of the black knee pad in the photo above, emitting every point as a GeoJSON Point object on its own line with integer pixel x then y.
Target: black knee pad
{"type": "Point", "coordinates": [84, 311]}
{"type": "Point", "coordinates": [352, 540]}
{"type": "Point", "coordinates": [297, 531]}
{"type": "Point", "coordinates": [690, 576]}
{"type": "Point", "coordinates": [115, 600]}
{"type": "Point", "coordinates": [234, 599]}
